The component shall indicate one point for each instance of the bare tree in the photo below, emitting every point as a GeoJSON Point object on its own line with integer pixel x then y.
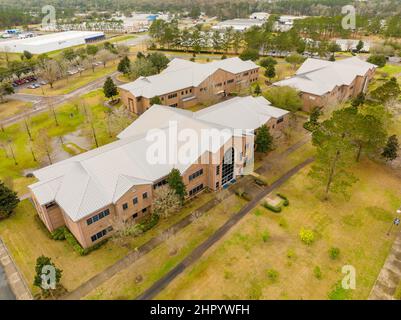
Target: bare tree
{"type": "Point", "coordinates": [122, 50]}
{"type": "Point", "coordinates": [105, 56]}
{"type": "Point", "coordinates": [49, 70]}
{"type": "Point", "coordinates": [42, 146]}
{"type": "Point", "coordinates": [120, 118]}
{"type": "Point", "coordinates": [166, 202]}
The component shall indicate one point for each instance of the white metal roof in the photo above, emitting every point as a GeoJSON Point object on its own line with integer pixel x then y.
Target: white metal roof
{"type": "Point", "coordinates": [318, 77]}
{"type": "Point", "coordinates": [92, 180]}
{"type": "Point", "coordinates": [181, 74]}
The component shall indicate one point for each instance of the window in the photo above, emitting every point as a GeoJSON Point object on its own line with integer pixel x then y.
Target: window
{"type": "Point", "coordinates": [144, 210]}
{"type": "Point", "coordinates": [171, 96]}
{"type": "Point", "coordinates": [195, 174]}
{"type": "Point", "coordinates": [218, 84]}
{"type": "Point", "coordinates": [230, 81]}
{"type": "Point", "coordinates": [138, 99]}
{"type": "Point", "coordinates": [195, 190]}
{"type": "Point", "coordinates": [98, 216]}
{"type": "Point", "coordinates": [160, 184]}
{"type": "Point", "coordinates": [125, 206]}
{"type": "Point", "coordinates": [182, 92]}
{"type": "Point", "coordinates": [145, 195]}
{"type": "Point", "coordinates": [217, 185]}
{"type": "Point", "coordinates": [281, 119]}
{"type": "Point", "coordinates": [174, 105]}
{"type": "Point", "coordinates": [100, 234]}
{"type": "Point", "coordinates": [135, 201]}
{"type": "Point", "coordinates": [245, 74]}
{"type": "Point", "coordinates": [135, 215]}
{"type": "Point", "coordinates": [190, 90]}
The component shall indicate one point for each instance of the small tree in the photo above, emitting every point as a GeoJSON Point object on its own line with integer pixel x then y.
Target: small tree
{"type": "Point", "coordinates": [377, 59]}
{"type": "Point", "coordinates": [27, 55]}
{"type": "Point", "coordinates": [42, 145]}
{"type": "Point", "coordinates": [155, 100]}
{"type": "Point", "coordinates": [264, 140]}
{"type": "Point", "coordinates": [359, 100]}
{"type": "Point", "coordinates": [268, 61]}
{"type": "Point", "coordinates": [295, 59]}
{"type": "Point", "coordinates": [166, 202]}
{"type": "Point", "coordinates": [5, 89]}
{"type": "Point", "coordinates": [47, 275]}
{"type": "Point", "coordinates": [8, 201]}
{"type": "Point", "coordinates": [174, 180]}
{"type": "Point", "coordinates": [388, 91]}
{"type": "Point", "coordinates": [159, 60]}
{"type": "Point", "coordinates": [284, 97]}
{"type": "Point", "coordinates": [110, 89]}
{"type": "Point", "coordinates": [270, 72]}
{"type": "Point", "coordinates": [359, 46]}
{"type": "Point", "coordinates": [257, 89]}
{"type": "Point", "coordinates": [92, 51]}
{"type": "Point", "coordinates": [249, 54]}
{"type": "Point", "coordinates": [124, 65]}
{"type": "Point", "coordinates": [390, 151]}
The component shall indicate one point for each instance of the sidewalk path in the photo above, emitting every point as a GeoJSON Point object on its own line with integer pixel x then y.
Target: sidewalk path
{"type": "Point", "coordinates": [197, 253]}
{"type": "Point", "coordinates": [14, 277]}
{"type": "Point", "coordinates": [390, 275]}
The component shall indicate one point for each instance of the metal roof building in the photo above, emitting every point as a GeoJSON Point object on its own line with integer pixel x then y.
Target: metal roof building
{"type": "Point", "coordinates": [51, 42]}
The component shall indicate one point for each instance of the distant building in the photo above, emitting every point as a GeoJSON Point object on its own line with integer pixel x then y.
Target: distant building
{"type": "Point", "coordinates": [50, 42]}
{"type": "Point", "coordinates": [286, 22]}
{"type": "Point", "coordinates": [351, 44]}
{"type": "Point", "coordinates": [260, 16]}
{"type": "Point", "coordinates": [184, 83]}
{"type": "Point", "coordinates": [238, 24]}
{"type": "Point", "coordinates": [324, 83]}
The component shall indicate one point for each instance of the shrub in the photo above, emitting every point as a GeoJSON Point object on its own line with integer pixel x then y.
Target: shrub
{"type": "Point", "coordinates": [58, 234]}
{"type": "Point", "coordinates": [242, 194]}
{"type": "Point", "coordinates": [307, 236]}
{"type": "Point", "coordinates": [260, 181]}
{"type": "Point", "coordinates": [286, 202]}
{"type": "Point", "coordinates": [291, 254]}
{"type": "Point", "coordinates": [149, 223]}
{"type": "Point", "coordinates": [317, 272]}
{"type": "Point", "coordinates": [265, 236]}
{"type": "Point", "coordinates": [272, 274]}
{"type": "Point", "coordinates": [271, 207]}
{"type": "Point", "coordinates": [77, 247]}
{"type": "Point", "coordinates": [334, 253]}
{"type": "Point", "coordinates": [377, 59]}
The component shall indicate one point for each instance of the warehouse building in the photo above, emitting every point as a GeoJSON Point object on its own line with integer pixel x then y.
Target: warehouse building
{"type": "Point", "coordinates": [51, 42]}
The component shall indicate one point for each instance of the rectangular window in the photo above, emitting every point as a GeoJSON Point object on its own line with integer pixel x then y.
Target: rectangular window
{"type": "Point", "coordinates": [195, 190]}
{"type": "Point", "coordinates": [280, 120]}
{"type": "Point", "coordinates": [195, 174]}
{"type": "Point", "coordinates": [144, 210]}
{"type": "Point", "coordinates": [218, 85]}
{"type": "Point", "coordinates": [230, 81]}
{"type": "Point", "coordinates": [125, 206]}
{"type": "Point", "coordinates": [171, 96]}
{"type": "Point", "coordinates": [245, 74]}
{"type": "Point", "coordinates": [145, 195]}
{"type": "Point", "coordinates": [100, 234]}
{"type": "Point", "coordinates": [135, 215]}
{"type": "Point", "coordinates": [135, 201]}
{"type": "Point", "coordinates": [217, 170]}
{"type": "Point", "coordinates": [217, 185]}
{"type": "Point", "coordinates": [97, 217]}
{"type": "Point", "coordinates": [174, 105]}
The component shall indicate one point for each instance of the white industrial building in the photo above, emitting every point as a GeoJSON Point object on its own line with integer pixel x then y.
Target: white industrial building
{"type": "Point", "coordinates": [238, 24]}
{"type": "Point", "coordinates": [351, 44]}
{"type": "Point", "coordinates": [259, 15]}
{"type": "Point", "coordinates": [50, 42]}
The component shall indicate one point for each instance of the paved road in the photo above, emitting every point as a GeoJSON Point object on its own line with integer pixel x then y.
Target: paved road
{"type": "Point", "coordinates": [196, 254]}
{"type": "Point", "coordinates": [5, 290]}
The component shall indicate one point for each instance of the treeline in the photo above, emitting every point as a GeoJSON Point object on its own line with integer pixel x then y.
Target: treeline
{"type": "Point", "coordinates": [15, 17]}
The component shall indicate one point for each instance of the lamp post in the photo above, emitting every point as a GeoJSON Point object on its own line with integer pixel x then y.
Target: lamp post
{"type": "Point", "coordinates": [395, 222]}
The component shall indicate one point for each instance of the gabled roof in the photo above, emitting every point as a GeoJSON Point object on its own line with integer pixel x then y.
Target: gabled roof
{"type": "Point", "coordinates": [181, 74]}
{"type": "Point", "coordinates": [88, 182]}
{"type": "Point", "coordinates": [318, 77]}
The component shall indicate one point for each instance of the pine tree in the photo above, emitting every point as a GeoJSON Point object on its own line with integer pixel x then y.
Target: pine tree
{"type": "Point", "coordinates": [110, 89]}
{"type": "Point", "coordinates": [264, 140]}
{"type": "Point", "coordinates": [124, 65]}
{"type": "Point", "coordinates": [257, 89]}
{"type": "Point", "coordinates": [8, 200]}
{"type": "Point", "coordinates": [390, 151]}
{"type": "Point", "coordinates": [270, 72]}
{"type": "Point", "coordinates": [175, 182]}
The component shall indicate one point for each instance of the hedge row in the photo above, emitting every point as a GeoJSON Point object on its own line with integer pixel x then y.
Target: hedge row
{"type": "Point", "coordinates": [77, 247]}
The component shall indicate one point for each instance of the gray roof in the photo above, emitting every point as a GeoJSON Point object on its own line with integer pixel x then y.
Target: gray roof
{"type": "Point", "coordinates": [318, 77]}
{"type": "Point", "coordinates": [92, 180]}
{"type": "Point", "coordinates": [181, 74]}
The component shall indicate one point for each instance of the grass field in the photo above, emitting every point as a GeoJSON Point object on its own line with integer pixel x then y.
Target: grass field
{"type": "Point", "coordinates": [158, 262]}
{"type": "Point", "coordinates": [69, 120]}
{"type": "Point", "coordinates": [27, 240]}
{"type": "Point", "coordinates": [13, 107]}
{"type": "Point", "coordinates": [238, 266]}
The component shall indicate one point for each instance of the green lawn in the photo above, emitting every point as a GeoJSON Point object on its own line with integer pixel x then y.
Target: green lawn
{"type": "Point", "coordinates": [158, 262]}
{"type": "Point", "coordinates": [237, 267]}
{"type": "Point", "coordinates": [69, 121]}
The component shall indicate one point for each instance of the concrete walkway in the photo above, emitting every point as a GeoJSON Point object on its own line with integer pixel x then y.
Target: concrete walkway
{"type": "Point", "coordinates": [14, 277]}
{"type": "Point", "coordinates": [197, 253]}
{"type": "Point", "coordinates": [390, 275]}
